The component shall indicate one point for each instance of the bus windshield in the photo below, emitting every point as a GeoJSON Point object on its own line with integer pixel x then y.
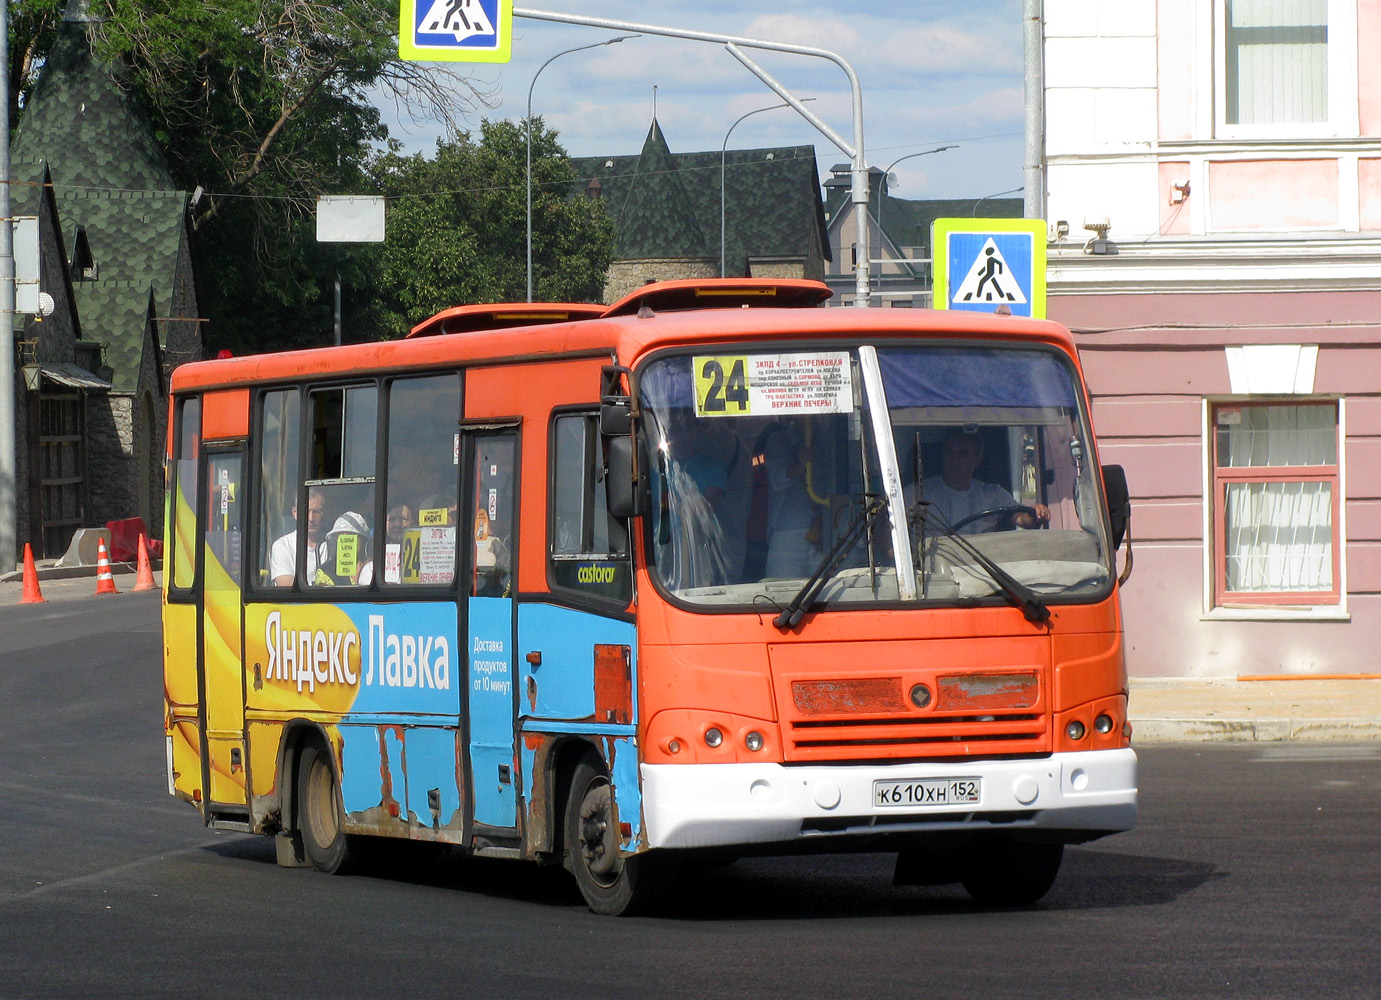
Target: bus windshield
{"type": "Point", "coordinates": [762, 464]}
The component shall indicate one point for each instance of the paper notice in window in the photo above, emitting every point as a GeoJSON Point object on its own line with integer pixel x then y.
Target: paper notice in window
{"type": "Point", "coordinates": [764, 385]}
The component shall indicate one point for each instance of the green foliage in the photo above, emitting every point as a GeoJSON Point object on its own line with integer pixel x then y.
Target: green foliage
{"type": "Point", "coordinates": [267, 104]}
{"type": "Point", "coordinates": [33, 27]}
{"type": "Point", "coordinates": [457, 229]}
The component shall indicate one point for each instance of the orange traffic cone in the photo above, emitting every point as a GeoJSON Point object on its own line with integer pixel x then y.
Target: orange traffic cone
{"type": "Point", "coordinates": [144, 581]}
{"type": "Point", "coordinates": [105, 583]}
{"type": "Point", "coordinates": [32, 593]}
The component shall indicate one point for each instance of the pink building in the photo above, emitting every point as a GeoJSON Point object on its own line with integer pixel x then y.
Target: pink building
{"type": "Point", "coordinates": [1213, 176]}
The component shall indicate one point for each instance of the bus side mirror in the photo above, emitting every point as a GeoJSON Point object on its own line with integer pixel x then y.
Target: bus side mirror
{"type": "Point", "coordinates": [627, 497]}
{"type": "Point", "coordinates": [615, 418]}
{"type": "Point", "coordinates": [1119, 502]}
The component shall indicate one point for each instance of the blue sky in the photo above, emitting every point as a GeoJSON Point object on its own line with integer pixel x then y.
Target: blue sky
{"type": "Point", "coordinates": [933, 72]}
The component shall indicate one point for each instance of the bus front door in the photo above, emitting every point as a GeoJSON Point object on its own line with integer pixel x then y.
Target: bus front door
{"type": "Point", "coordinates": [492, 563]}
{"type": "Point", "coordinates": [219, 656]}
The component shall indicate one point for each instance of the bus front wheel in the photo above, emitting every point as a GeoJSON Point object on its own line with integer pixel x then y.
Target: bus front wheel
{"type": "Point", "coordinates": [320, 816]}
{"type": "Point", "coordinates": [612, 885]}
{"type": "Point", "coordinates": [1015, 873]}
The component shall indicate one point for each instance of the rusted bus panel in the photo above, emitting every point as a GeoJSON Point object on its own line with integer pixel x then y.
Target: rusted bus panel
{"type": "Point", "coordinates": [988, 691]}
{"type": "Point", "coordinates": [850, 696]}
{"type": "Point", "coordinates": [613, 684]}
{"type": "Point", "coordinates": [403, 781]}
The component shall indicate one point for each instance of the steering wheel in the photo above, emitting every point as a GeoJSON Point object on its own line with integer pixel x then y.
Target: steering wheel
{"type": "Point", "coordinates": [1010, 511]}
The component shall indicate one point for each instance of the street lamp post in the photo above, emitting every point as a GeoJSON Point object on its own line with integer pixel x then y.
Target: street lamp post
{"type": "Point", "coordinates": [528, 130]}
{"type": "Point", "coordinates": [723, 211]}
{"type": "Point", "coordinates": [882, 198]}
{"type": "Point", "coordinates": [999, 194]}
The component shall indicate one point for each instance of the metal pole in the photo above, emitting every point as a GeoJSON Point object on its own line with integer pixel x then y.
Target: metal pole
{"type": "Point", "coordinates": [859, 188]}
{"type": "Point", "coordinates": [723, 153]}
{"type": "Point", "coordinates": [9, 513]}
{"type": "Point", "coordinates": [1033, 173]}
{"type": "Point", "coordinates": [528, 130]}
{"type": "Point", "coordinates": [336, 328]}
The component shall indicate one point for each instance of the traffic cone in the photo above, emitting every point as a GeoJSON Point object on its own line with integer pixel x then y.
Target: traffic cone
{"type": "Point", "coordinates": [32, 593]}
{"type": "Point", "coordinates": [144, 581]}
{"type": "Point", "coordinates": [105, 583]}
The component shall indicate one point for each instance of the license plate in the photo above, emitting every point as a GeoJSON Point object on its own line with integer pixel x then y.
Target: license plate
{"type": "Point", "coordinates": [927, 792]}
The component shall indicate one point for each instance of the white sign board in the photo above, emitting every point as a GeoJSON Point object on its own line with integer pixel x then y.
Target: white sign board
{"type": "Point", "coordinates": [761, 385]}
{"type": "Point", "coordinates": [350, 219]}
{"type": "Point", "coordinates": [26, 264]}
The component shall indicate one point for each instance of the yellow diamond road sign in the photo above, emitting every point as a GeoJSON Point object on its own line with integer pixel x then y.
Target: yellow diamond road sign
{"type": "Point", "coordinates": [456, 30]}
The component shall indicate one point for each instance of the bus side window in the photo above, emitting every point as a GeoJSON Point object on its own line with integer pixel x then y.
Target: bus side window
{"type": "Point", "coordinates": [185, 500]}
{"type": "Point", "coordinates": [279, 450]}
{"type": "Point", "coordinates": [589, 551]}
{"type": "Point", "coordinates": [341, 471]}
{"type": "Point", "coordinates": [422, 490]}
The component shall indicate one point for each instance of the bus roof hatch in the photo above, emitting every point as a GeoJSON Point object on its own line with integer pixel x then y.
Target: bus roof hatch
{"type": "Point", "coordinates": [722, 293]}
{"type": "Point", "coordinates": [501, 316]}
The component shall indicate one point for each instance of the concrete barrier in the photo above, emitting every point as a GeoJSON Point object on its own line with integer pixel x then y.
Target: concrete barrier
{"type": "Point", "coordinates": [82, 550]}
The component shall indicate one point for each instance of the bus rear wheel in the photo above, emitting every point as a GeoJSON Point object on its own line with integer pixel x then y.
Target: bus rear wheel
{"type": "Point", "coordinates": [611, 884]}
{"type": "Point", "coordinates": [320, 815]}
{"type": "Point", "coordinates": [1013, 873]}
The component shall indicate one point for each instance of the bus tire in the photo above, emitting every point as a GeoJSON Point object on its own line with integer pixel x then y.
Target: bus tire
{"type": "Point", "coordinates": [612, 885]}
{"type": "Point", "coordinates": [1014, 873]}
{"type": "Point", "coordinates": [320, 814]}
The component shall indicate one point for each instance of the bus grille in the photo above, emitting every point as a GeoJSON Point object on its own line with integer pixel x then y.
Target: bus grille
{"type": "Point", "coordinates": [870, 718]}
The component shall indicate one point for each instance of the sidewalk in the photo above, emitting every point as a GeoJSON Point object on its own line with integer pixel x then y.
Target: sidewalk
{"type": "Point", "coordinates": [1163, 709]}
{"type": "Point", "coordinates": [67, 582]}
{"type": "Point", "coordinates": [1180, 710]}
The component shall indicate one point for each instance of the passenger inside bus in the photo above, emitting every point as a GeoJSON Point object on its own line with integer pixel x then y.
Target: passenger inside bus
{"type": "Point", "coordinates": [793, 527]}
{"type": "Point", "coordinates": [953, 498]}
{"type": "Point", "coordinates": [283, 554]}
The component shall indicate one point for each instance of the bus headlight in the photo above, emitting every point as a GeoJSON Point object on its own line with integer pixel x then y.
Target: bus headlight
{"type": "Point", "coordinates": [1103, 723]}
{"type": "Point", "coordinates": [753, 741]}
{"type": "Point", "coordinates": [1075, 730]}
{"type": "Point", "coordinates": [713, 737]}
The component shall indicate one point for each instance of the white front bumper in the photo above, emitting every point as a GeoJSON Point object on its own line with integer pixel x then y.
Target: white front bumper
{"type": "Point", "coordinates": [720, 805]}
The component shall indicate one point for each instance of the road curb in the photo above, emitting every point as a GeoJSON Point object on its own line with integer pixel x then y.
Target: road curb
{"type": "Point", "coordinates": [1251, 730]}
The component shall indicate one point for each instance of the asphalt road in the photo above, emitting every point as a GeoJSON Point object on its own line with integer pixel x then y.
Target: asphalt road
{"type": "Point", "coordinates": [1255, 872]}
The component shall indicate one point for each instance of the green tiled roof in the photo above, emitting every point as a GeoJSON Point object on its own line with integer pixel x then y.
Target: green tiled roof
{"type": "Point", "coordinates": [668, 204]}
{"type": "Point", "coordinates": [109, 177]}
{"type": "Point", "coordinates": [78, 119]}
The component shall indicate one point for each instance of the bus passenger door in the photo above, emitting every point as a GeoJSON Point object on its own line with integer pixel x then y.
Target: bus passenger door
{"type": "Point", "coordinates": [220, 653]}
{"type": "Point", "coordinates": [491, 565]}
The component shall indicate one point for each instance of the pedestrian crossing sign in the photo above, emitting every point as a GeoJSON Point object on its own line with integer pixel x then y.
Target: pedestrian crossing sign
{"type": "Point", "coordinates": [456, 30]}
{"type": "Point", "coordinates": [982, 264]}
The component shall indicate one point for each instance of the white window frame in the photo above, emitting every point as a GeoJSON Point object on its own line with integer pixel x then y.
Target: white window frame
{"type": "Point", "coordinates": [1342, 82]}
{"type": "Point", "coordinates": [1270, 612]}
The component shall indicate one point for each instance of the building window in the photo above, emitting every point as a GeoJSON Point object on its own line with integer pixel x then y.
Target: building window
{"type": "Point", "coordinates": [1276, 502]}
{"type": "Point", "coordinates": [1286, 67]}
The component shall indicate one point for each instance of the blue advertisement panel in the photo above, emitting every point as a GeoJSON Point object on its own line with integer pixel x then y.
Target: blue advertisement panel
{"type": "Point", "coordinates": [490, 684]}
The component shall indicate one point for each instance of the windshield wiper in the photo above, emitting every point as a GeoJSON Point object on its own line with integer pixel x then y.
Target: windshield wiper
{"type": "Point", "coordinates": [795, 610]}
{"type": "Point", "coordinates": [1032, 608]}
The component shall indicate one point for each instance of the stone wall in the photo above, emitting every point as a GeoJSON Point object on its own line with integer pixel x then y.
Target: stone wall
{"type": "Point", "coordinates": [627, 276]}
{"type": "Point", "coordinates": [110, 460]}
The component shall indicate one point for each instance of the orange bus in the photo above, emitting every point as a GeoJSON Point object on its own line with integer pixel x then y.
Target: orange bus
{"type": "Point", "coordinates": [738, 575]}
